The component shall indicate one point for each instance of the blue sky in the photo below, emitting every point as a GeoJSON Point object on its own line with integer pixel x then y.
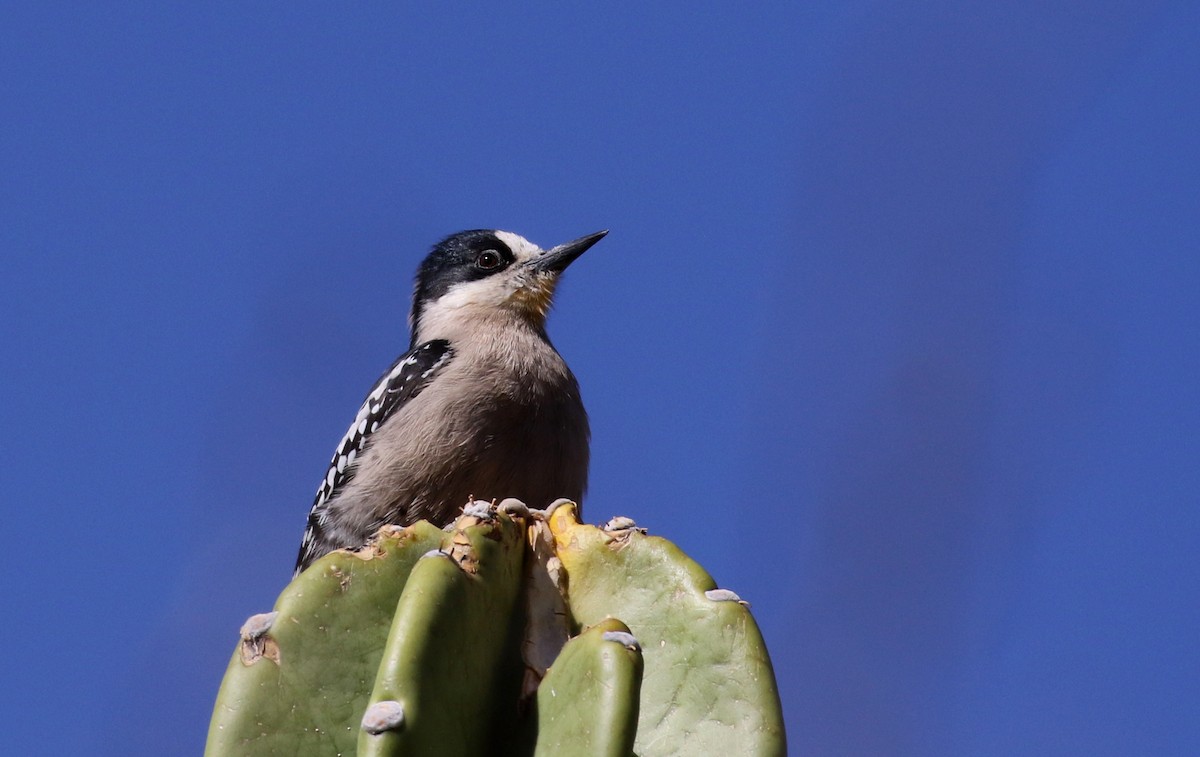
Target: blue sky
{"type": "Point", "coordinates": [895, 332]}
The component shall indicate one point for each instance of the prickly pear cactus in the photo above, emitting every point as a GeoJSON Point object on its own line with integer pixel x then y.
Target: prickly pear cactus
{"type": "Point", "coordinates": [516, 632]}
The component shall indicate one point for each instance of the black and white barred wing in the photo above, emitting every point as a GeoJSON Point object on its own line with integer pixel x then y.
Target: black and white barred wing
{"type": "Point", "coordinates": [411, 373]}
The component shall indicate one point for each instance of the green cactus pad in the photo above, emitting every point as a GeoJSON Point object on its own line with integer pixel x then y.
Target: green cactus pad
{"type": "Point", "coordinates": [708, 687]}
{"type": "Point", "coordinates": [588, 703]}
{"type": "Point", "coordinates": [298, 682]}
{"type": "Point", "coordinates": [437, 687]}
{"type": "Point", "coordinates": [381, 652]}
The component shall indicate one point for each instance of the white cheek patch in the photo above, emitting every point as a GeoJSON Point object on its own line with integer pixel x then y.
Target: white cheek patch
{"type": "Point", "coordinates": [489, 292]}
{"type": "Point", "coordinates": [521, 247]}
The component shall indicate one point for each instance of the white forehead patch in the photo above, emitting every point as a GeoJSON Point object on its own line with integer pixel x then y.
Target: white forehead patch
{"type": "Point", "coordinates": [521, 247]}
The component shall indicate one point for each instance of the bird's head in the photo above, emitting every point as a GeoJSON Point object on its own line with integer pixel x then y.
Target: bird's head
{"type": "Point", "coordinates": [481, 274]}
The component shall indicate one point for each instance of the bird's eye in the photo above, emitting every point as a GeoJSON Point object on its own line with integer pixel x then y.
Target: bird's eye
{"type": "Point", "coordinates": [487, 260]}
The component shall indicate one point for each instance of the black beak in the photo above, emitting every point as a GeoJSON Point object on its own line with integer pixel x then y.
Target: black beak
{"type": "Point", "coordinates": [556, 260]}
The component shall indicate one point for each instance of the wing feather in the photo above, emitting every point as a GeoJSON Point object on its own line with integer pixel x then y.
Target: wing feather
{"type": "Point", "coordinates": [411, 373]}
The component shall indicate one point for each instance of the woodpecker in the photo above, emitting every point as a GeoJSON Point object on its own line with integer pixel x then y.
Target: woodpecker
{"type": "Point", "coordinates": [481, 406]}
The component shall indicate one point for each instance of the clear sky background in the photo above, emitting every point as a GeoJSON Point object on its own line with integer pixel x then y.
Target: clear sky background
{"type": "Point", "coordinates": [895, 333]}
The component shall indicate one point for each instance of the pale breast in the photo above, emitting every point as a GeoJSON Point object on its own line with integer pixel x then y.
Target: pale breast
{"type": "Point", "coordinates": [482, 430]}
